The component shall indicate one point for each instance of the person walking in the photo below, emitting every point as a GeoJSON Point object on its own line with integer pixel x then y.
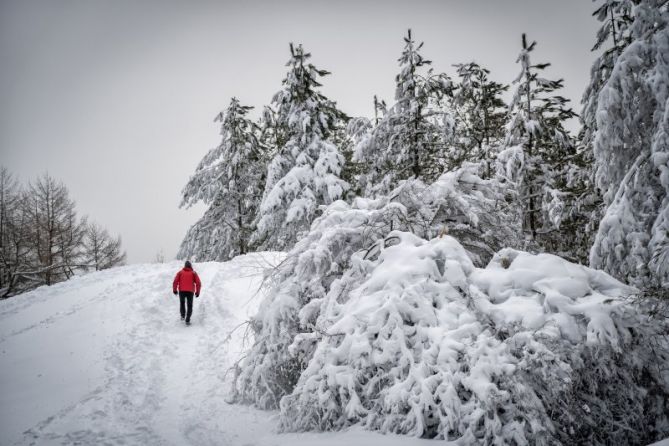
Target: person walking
{"type": "Point", "coordinates": [186, 283]}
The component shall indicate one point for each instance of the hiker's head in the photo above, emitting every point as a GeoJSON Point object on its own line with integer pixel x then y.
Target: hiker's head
{"type": "Point", "coordinates": [188, 264]}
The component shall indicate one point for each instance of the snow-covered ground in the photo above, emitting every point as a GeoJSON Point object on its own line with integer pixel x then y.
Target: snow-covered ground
{"type": "Point", "coordinates": [105, 359]}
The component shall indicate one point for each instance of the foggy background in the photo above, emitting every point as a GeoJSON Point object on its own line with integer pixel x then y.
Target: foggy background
{"type": "Point", "coordinates": [117, 98]}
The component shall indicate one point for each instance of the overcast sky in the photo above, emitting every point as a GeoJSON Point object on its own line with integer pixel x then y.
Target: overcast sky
{"type": "Point", "coordinates": [117, 98]}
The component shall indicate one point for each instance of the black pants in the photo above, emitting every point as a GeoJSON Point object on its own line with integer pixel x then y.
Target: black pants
{"type": "Point", "coordinates": [186, 297]}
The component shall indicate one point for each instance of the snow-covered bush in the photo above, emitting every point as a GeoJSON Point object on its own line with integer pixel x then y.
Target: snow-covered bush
{"type": "Point", "coordinates": [460, 201]}
{"type": "Point", "coordinates": [480, 213]}
{"type": "Point", "coordinates": [270, 370]}
{"type": "Point", "coordinates": [414, 339]}
{"type": "Point", "coordinates": [378, 318]}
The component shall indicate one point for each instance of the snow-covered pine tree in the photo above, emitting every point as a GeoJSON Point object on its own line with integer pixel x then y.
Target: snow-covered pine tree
{"type": "Point", "coordinates": [582, 207]}
{"type": "Point", "coordinates": [536, 130]}
{"type": "Point", "coordinates": [350, 170]}
{"type": "Point", "coordinates": [616, 17]}
{"type": "Point", "coordinates": [273, 134]}
{"type": "Point", "coordinates": [612, 37]}
{"type": "Point", "coordinates": [361, 132]}
{"type": "Point", "coordinates": [631, 149]}
{"type": "Point", "coordinates": [305, 172]}
{"type": "Point", "coordinates": [411, 138]}
{"type": "Point", "coordinates": [480, 115]}
{"type": "Point", "coordinates": [228, 180]}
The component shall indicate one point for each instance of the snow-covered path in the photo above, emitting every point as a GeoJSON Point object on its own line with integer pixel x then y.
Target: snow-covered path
{"type": "Point", "coordinates": [105, 359]}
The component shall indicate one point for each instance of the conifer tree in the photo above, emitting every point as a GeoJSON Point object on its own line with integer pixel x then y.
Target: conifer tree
{"type": "Point", "coordinates": [612, 37]}
{"type": "Point", "coordinates": [616, 18]}
{"type": "Point", "coordinates": [305, 171]}
{"type": "Point", "coordinates": [228, 180]}
{"type": "Point", "coordinates": [631, 151]}
{"type": "Point", "coordinates": [536, 129]}
{"type": "Point", "coordinates": [410, 139]}
{"type": "Point", "coordinates": [480, 115]}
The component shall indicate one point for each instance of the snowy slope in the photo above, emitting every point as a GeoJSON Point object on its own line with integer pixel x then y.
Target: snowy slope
{"type": "Point", "coordinates": [104, 359]}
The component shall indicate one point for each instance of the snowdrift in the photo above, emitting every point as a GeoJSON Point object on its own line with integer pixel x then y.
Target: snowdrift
{"type": "Point", "coordinates": [411, 337]}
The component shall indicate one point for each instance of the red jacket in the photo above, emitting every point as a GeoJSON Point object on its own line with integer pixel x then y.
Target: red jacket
{"type": "Point", "coordinates": [186, 280]}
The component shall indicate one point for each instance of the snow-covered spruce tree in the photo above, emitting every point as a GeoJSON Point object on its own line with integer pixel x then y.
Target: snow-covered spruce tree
{"type": "Point", "coordinates": [228, 180]}
{"type": "Point", "coordinates": [305, 171]}
{"type": "Point", "coordinates": [410, 139]}
{"type": "Point", "coordinates": [631, 149]}
{"type": "Point", "coordinates": [616, 18]}
{"type": "Point", "coordinates": [360, 131]}
{"type": "Point", "coordinates": [459, 200]}
{"type": "Point", "coordinates": [582, 207]}
{"type": "Point", "coordinates": [588, 206]}
{"type": "Point", "coordinates": [531, 350]}
{"type": "Point", "coordinates": [350, 170]}
{"type": "Point", "coordinates": [536, 130]}
{"type": "Point", "coordinates": [273, 134]}
{"type": "Point", "coordinates": [480, 115]}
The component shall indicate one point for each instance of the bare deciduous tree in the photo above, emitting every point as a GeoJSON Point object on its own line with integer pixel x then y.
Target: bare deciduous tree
{"type": "Point", "coordinates": [13, 236]}
{"type": "Point", "coordinates": [100, 250]}
{"type": "Point", "coordinates": [42, 239]}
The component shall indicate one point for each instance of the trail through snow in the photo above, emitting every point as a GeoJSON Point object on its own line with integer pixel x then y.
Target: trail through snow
{"type": "Point", "coordinates": [104, 359]}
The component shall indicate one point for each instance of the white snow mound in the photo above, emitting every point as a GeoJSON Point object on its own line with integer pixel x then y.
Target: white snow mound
{"type": "Point", "coordinates": [414, 339]}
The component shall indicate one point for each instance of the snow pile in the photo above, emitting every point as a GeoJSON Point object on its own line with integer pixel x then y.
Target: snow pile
{"type": "Point", "coordinates": [306, 274]}
{"type": "Point", "coordinates": [413, 338]}
{"type": "Point", "coordinates": [476, 211]}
